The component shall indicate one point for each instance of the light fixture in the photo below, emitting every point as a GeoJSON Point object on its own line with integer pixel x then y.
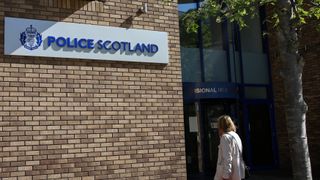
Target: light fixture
{"type": "Point", "coordinates": [144, 8]}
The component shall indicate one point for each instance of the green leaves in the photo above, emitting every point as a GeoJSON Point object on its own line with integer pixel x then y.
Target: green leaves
{"type": "Point", "coordinates": [231, 10]}
{"type": "Point", "coordinates": [275, 19]}
{"type": "Point", "coordinates": [238, 10]}
{"type": "Point", "coordinates": [191, 20]}
{"type": "Point", "coordinates": [315, 9]}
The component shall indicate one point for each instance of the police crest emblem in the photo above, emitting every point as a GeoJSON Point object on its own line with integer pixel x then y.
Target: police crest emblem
{"type": "Point", "coordinates": [30, 38]}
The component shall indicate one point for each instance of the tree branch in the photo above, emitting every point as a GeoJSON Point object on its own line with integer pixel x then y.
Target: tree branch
{"type": "Point", "coordinates": [312, 3]}
{"type": "Point", "coordinates": [294, 7]}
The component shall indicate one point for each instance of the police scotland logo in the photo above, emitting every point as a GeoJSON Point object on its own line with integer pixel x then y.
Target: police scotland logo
{"type": "Point", "coordinates": [30, 38]}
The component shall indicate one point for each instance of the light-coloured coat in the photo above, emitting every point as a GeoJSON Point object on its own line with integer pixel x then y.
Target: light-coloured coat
{"type": "Point", "coordinates": [230, 164]}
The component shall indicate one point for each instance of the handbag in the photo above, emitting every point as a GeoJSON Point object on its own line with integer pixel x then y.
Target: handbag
{"type": "Point", "coordinates": [246, 171]}
{"type": "Point", "coordinates": [245, 167]}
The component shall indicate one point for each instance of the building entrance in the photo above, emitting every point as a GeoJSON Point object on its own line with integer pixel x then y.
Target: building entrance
{"type": "Point", "coordinates": [202, 138]}
{"type": "Point", "coordinates": [254, 126]}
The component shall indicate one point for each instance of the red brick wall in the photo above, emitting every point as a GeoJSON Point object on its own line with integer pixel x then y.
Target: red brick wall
{"type": "Point", "coordinates": [81, 119]}
{"type": "Point", "coordinates": [310, 50]}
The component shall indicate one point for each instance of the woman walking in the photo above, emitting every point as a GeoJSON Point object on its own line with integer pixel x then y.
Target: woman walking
{"type": "Point", "coordinates": [230, 164]}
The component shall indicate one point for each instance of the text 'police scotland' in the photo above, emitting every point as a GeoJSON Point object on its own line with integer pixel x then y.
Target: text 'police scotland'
{"type": "Point", "coordinates": [103, 45]}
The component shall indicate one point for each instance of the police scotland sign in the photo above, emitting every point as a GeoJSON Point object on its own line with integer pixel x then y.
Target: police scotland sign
{"type": "Point", "coordinates": [30, 37]}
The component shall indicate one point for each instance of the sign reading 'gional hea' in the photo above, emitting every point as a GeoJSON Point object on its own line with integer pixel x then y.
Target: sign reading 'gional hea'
{"type": "Point", "coordinates": [70, 40]}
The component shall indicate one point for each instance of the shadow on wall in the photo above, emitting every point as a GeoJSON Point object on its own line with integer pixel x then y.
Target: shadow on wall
{"type": "Point", "coordinates": [129, 21]}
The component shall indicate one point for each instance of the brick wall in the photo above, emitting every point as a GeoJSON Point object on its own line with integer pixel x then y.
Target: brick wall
{"type": "Point", "coordinates": [310, 50]}
{"type": "Point", "coordinates": [81, 119]}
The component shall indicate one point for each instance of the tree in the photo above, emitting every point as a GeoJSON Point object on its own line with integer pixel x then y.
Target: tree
{"type": "Point", "coordinates": [288, 17]}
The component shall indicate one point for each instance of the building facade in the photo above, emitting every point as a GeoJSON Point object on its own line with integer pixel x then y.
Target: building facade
{"type": "Point", "coordinates": [309, 49]}
{"type": "Point", "coordinates": [228, 71]}
{"type": "Point", "coordinates": [72, 118]}
{"type": "Point", "coordinates": [64, 116]}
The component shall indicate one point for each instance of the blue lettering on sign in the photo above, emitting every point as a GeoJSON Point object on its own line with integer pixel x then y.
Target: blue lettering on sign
{"type": "Point", "coordinates": [61, 42]}
{"type": "Point", "coordinates": [90, 43]}
{"type": "Point", "coordinates": [82, 43]}
{"type": "Point", "coordinates": [154, 48]}
{"type": "Point", "coordinates": [146, 48]}
{"type": "Point", "coordinates": [107, 45]}
{"type": "Point", "coordinates": [124, 46]}
{"type": "Point", "coordinates": [99, 44]}
{"type": "Point", "coordinates": [116, 46]}
{"type": "Point", "coordinates": [138, 48]}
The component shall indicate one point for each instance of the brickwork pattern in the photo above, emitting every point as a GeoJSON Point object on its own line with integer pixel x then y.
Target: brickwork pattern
{"type": "Point", "coordinates": [81, 119]}
{"type": "Point", "coordinates": [310, 50]}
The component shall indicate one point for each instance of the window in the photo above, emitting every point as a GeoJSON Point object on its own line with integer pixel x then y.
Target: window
{"type": "Point", "coordinates": [190, 52]}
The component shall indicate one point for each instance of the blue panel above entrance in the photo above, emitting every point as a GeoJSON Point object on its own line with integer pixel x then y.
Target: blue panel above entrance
{"type": "Point", "coordinates": [197, 91]}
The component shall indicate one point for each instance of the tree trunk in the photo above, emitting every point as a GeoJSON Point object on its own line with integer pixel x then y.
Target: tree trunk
{"type": "Point", "coordinates": [295, 106]}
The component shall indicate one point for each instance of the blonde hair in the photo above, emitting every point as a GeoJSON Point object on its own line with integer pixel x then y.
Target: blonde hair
{"type": "Point", "coordinates": [226, 124]}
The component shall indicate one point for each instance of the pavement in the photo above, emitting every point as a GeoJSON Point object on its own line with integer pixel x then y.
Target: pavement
{"type": "Point", "coordinates": [277, 175]}
{"type": "Point", "coordinates": [261, 175]}
{"type": "Point", "coordinates": [270, 175]}
{"type": "Point", "coordinates": [266, 175]}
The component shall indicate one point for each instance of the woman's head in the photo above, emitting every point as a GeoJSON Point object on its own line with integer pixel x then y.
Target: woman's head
{"type": "Point", "coordinates": [225, 124]}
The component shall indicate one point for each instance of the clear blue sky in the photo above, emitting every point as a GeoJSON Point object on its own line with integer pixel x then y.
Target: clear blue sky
{"type": "Point", "coordinates": [186, 7]}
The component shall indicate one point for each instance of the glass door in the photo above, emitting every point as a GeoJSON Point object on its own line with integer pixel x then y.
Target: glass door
{"type": "Point", "coordinates": [211, 112]}
{"type": "Point", "coordinates": [202, 138]}
{"type": "Point", "coordinates": [191, 118]}
{"type": "Point", "coordinates": [261, 135]}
